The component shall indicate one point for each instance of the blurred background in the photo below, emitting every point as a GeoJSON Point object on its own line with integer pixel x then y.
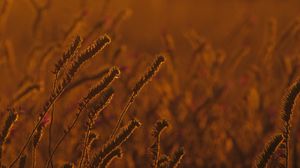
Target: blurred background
{"type": "Point", "coordinates": [229, 64]}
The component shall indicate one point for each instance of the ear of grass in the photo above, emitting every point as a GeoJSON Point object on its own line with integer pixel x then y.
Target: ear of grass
{"type": "Point", "coordinates": [138, 87]}
{"type": "Point", "coordinates": [290, 101]}
{"type": "Point", "coordinates": [155, 148]}
{"type": "Point", "coordinates": [115, 143]}
{"type": "Point", "coordinates": [107, 80]}
{"type": "Point", "coordinates": [116, 153]}
{"type": "Point", "coordinates": [96, 90]}
{"type": "Point", "coordinates": [11, 119]}
{"type": "Point", "coordinates": [268, 151]}
{"type": "Point", "coordinates": [176, 158]}
{"type": "Point", "coordinates": [61, 64]}
{"type": "Point", "coordinates": [93, 116]}
{"type": "Point", "coordinates": [58, 66]}
{"type": "Point", "coordinates": [97, 108]}
{"type": "Point", "coordinates": [75, 45]}
{"type": "Point", "coordinates": [91, 51]}
{"type": "Point", "coordinates": [92, 137]}
{"type": "Point", "coordinates": [288, 106]}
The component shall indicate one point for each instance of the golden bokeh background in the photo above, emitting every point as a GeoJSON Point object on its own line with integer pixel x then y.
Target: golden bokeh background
{"type": "Point", "coordinates": [229, 65]}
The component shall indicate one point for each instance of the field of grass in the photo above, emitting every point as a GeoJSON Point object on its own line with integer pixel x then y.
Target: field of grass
{"type": "Point", "coordinates": [160, 83]}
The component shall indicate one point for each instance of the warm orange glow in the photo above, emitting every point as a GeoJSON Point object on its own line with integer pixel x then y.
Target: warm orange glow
{"type": "Point", "coordinates": [201, 82]}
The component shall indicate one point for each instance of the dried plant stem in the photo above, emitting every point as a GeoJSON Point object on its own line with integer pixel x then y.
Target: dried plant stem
{"type": "Point", "coordinates": [67, 55]}
{"type": "Point", "coordinates": [93, 115]}
{"type": "Point", "coordinates": [82, 159]}
{"type": "Point", "coordinates": [175, 160]}
{"type": "Point", "coordinates": [92, 137]}
{"type": "Point", "coordinates": [92, 50]}
{"type": "Point", "coordinates": [117, 153]}
{"type": "Point", "coordinates": [138, 87]}
{"type": "Point", "coordinates": [59, 66]}
{"type": "Point", "coordinates": [96, 90]}
{"type": "Point", "coordinates": [47, 107]}
{"type": "Point", "coordinates": [288, 107]}
{"type": "Point", "coordinates": [52, 119]}
{"type": "Point", "coordinates": [115, 143]}
{"type": "Point", "coordinates": [155, 148]}
{"type": "Point", "coordinates": [66, 132]}
{"type": "Point", "coordinates": [35, 142]}
{"type": "Point", "coordinates": [125, 109]}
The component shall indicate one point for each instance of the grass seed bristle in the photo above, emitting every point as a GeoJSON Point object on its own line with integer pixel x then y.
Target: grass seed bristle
{"type": "Point", "coordinates": [115, 143]}
{"type": "Point", "coordinates": [268, 151]}
{"type": "Point", "coordinates": [68, 54]}
{"type": "Point", "coordinates": [117, 153]}
{"type": "Point", "coordinates": [176, 158]}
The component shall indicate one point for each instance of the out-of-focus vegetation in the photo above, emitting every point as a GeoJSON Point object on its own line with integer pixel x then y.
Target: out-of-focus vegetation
{"type": "Point", "coordinates": [228, 66]}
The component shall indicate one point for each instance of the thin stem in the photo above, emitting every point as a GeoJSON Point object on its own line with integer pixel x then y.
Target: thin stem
{"type": "Point", "coordinates": [36, 126]}
{"type": "Point", "coordinates": [66, 132]}
{"type": "Point", "coordinates": [85, 146]}
{"type": "Point", "coordinates": [52, 119]}
{"type": "Point", "coordinates": [122, 116]}
{"type": "Point", "coordinates": [157, 155]}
